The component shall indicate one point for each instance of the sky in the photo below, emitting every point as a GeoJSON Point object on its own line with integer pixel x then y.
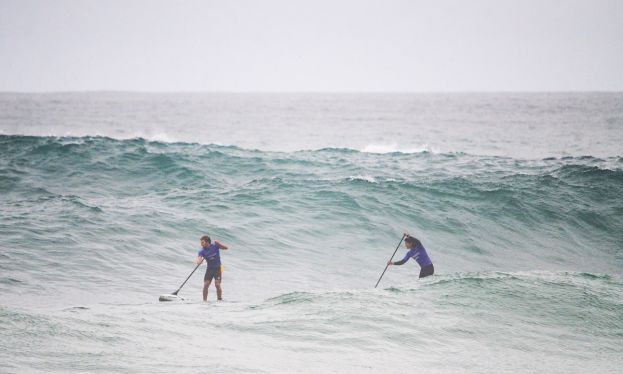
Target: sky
{"type": "Point", "coordinates": [311, 46]}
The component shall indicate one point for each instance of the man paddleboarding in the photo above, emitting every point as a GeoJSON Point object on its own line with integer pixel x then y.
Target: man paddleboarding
{"type": "Point", "coordinates": [418, 253]}
{"type": "Point", "coordinates": [211, 253]}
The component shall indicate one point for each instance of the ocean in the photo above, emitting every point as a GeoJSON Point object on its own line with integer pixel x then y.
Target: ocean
{"type": "Point", "coordinates": [517, 197]}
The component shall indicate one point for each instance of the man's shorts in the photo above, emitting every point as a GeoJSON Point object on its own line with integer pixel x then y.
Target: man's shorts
{"type": "Point", "coordinates": [427, 270]}
{"type": "Point", "coordinates": [212, 273]}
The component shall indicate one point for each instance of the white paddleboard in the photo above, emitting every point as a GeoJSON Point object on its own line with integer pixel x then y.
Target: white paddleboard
{"type": "Point", "coordinates": [170, 297]}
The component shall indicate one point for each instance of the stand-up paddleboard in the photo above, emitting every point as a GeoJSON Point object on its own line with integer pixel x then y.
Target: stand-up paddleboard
{"type": "Point", "coordinates": [170, 297]}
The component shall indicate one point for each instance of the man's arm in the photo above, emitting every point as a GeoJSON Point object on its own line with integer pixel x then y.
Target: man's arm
{"type": "Point", "coordinates": [199, 260]}
{"type": "Point", "coordinates": [401, 261]}
{"type": "Point", "coordinates": [221, 245]}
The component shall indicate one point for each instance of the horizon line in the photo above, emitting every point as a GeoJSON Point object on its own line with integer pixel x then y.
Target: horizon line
{"type": "Point", "coordinates": [115, 91]}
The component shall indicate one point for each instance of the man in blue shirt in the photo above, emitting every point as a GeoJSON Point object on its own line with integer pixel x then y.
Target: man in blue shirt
{"type": "Point", "coordinates": [418, 253]}
{"type": "Point", "coordinates": [211, 253]}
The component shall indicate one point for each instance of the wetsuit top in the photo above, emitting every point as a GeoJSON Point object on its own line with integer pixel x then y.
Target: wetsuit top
{"type": "Point", "coordinates": [418, 254]}
{"type": "Point", "coordinates": [212, 254]}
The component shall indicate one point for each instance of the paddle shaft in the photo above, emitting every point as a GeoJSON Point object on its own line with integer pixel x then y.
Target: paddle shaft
{"type": "Point", "coordinates": [178, 290]}
{"type": "Point", "coordinates": [386, 266]}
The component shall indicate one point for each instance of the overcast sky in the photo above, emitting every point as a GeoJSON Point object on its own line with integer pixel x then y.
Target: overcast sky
{"type": "Point", "coordinates": [315, 45]}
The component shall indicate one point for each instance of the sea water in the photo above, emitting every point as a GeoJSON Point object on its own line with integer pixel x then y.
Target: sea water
{"type": "Point", "coordinates": [518, 199]}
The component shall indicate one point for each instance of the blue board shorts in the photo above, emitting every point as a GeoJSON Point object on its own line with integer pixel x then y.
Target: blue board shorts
{"type": "Point", "coordinates": [212, 273]}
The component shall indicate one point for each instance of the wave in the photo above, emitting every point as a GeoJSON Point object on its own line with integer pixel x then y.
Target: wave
{"type": "Point", "coordinates": [557, 211]}
{"type": "Point", "coordinates": [463, 177]}
{"type": "Point", "coordinates": [538, 295]}
{"type": "Point", "coordinates": [65, 144]}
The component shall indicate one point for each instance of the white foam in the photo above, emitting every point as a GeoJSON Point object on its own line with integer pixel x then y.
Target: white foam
{"type": "Point", "coordinates": [394, 148]}
{"type": "Point", "coordinates": [366, 178]}
{"type": "Point", "coordinates": [161, 137]}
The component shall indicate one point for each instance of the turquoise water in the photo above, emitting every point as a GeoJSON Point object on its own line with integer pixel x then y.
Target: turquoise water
{"type": "Point", "coordinates": [523, 220]}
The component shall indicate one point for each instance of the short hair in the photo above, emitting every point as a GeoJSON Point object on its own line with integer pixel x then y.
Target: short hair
{"type": "Point", "coordinates": [413, 241]}
{"type": "Point", "coordinates": [205, 237]}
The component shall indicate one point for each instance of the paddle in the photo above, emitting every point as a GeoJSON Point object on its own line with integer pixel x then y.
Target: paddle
{"type": "Point", "coordinates": [168, 298]}
{"type": "Point", "coordinates": [178, 290]}
{"type": "Point", "coordinates": [386, 266]}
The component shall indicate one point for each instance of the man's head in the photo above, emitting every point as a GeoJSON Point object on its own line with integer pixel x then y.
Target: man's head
{"type": "Point", "coordinates": [411, 242]}
{"type": "Point", "coordinates": [205, 241]}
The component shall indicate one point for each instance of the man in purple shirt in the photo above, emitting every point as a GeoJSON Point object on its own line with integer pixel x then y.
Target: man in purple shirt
{"type": "Point", "coordinates": [418, 253]}
{"type": "Point", "coordinates": [211, 253]}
